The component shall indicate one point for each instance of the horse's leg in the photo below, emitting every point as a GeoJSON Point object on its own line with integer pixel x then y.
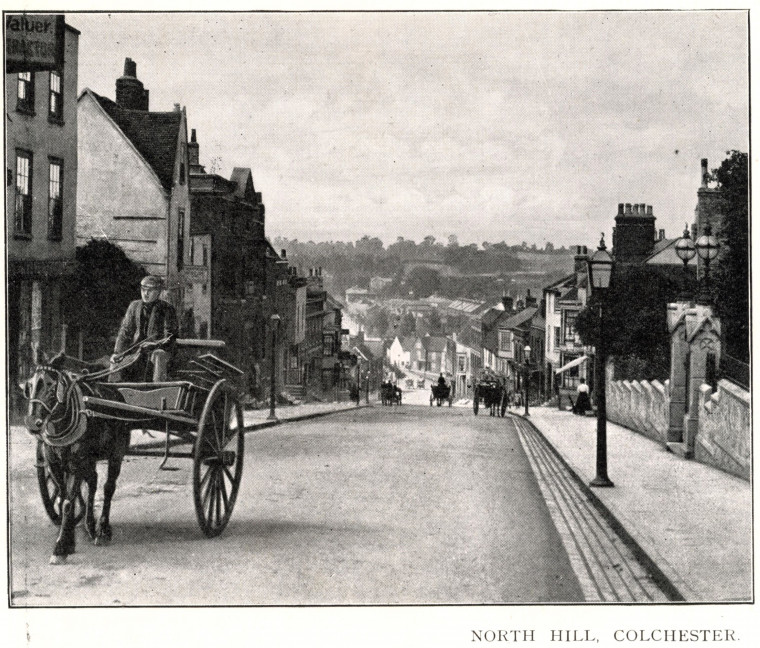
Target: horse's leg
{"type": "Point", "coordinates": [91, 479]}
{"type": "Point", "coordinates": [66, 542]}
{"type": "Point", "coordinates": [118, 442]}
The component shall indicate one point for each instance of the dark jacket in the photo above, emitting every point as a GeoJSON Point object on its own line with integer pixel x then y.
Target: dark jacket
{"type": "Point", "coordinates": [162, 323]}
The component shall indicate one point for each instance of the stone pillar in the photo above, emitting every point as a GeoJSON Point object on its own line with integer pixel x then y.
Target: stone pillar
{"type": "Point", "coordinates": [679, 356]}
{"type": "Point", "coordinates": [703, 336]}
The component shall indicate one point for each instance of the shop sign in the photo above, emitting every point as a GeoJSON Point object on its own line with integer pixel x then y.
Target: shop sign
{"type": "Point", "coordinates": [34, 42]}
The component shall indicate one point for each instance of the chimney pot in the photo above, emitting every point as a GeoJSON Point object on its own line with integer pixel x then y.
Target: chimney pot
{"type": "Point", "coordinates": [649, 210]}
{"type": "Point", "coordinates": [192, 135]}
{"type": "Point", "coordinates": [283, 254]}
{"type": "Point", "coordinates": [635, 208]}
{"type": "Point", "coordinates": [130, 69]}
{"type": "Point", "coordinates": [620, 209]}
{"type": "Point", "coordinates": [662, 234]}
{"type": "Point", "coordinates": [628, 208]}
{"type": "Point", "coordinates": [177, 108]}
{"type": "Point", "coordinates": [705, 173]}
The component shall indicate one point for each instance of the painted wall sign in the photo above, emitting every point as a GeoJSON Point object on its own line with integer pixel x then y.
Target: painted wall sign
{"type": "Point", "coordinates": [33, 42]}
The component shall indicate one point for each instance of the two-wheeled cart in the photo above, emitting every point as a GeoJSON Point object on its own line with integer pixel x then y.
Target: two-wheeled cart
{"type": "Point", "coordinates": [198, 407]}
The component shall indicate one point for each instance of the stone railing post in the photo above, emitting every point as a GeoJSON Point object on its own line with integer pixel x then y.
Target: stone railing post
{"type": "Point", "coordinates": [679, 356]}
{"type": "Point", "coordinates": [703, 335]}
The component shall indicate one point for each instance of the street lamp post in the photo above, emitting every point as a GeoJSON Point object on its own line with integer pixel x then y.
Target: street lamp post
{"type": "Point", "coordinates": [685, 249]}
{"type": "Point", "coordinates": [526, 378]}
{"type": "Point", "coordinates": [599, 273]}
{"type": "Point", "coordinates": [358, 382]}
{"type": "Point", "coordinates": [275, 324]}
{"type": "Point", "coordinates": [707, 248]}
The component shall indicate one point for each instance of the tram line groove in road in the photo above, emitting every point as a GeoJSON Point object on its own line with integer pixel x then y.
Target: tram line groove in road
{"type": "Point", "coordinates": [590, 532]}
{"type": "Point", "coordinates": [605, 567]}
{"type": "Point", "coordinates": [605, 543]}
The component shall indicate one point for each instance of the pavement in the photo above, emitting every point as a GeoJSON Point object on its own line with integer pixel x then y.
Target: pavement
{"type": "Point", "coordinates": [689, 522]}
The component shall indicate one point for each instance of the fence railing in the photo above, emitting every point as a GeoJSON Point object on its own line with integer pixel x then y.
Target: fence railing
{"type": "Point", "coordinates": [734, 370]}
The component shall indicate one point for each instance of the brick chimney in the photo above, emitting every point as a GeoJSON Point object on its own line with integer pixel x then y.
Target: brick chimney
{"type": "Point", "coordinates": [634, 233]}
{"type": "Point", "coordinates": [581, 258]}
{"type": "Point", "coordinates": [193, 154]}
{"type": "Point", "coordinates": [507, 302]}
{"type": "Point", "coordinates": [530, 301]}
{"type": "Point", "coordinates": [130, 92]}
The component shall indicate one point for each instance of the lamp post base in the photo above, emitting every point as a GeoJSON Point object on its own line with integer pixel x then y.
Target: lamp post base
{"type": "Point", "coordinates": [272, 417]}
{"type": "Point", "coordinates": [601, 482]}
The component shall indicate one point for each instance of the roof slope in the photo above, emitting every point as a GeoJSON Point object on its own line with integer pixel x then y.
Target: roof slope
{"type": "Point", "coordinates": [519, 318]}
{"type": "Point", "coordinates": [154, 135]}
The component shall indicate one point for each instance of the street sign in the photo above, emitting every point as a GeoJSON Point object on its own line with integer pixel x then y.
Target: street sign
{"type": "Point", "coordinates": [34, 42]}
{"type": "Point", "coordinates": [195, 274]}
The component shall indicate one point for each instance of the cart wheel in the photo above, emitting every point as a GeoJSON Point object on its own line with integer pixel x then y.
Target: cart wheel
{"type": "Point", "coordinates": [218, 461]}
{"type": "Point", "coordinates": [51, 492]}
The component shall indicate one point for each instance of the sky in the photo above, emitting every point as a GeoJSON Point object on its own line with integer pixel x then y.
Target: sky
{"type": "Point", "coordinates": [514, 126]}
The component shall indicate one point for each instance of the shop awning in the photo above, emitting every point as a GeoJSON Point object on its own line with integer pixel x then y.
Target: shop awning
{"type": "Point", "coordinates": [571, 364]}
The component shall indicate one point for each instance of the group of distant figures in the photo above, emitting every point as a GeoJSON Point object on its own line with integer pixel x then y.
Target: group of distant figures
{"type": "Point", "coordinates": [390, 394]}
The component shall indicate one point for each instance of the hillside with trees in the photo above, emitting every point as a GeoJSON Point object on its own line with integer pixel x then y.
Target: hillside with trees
{"type": "Point", "coordinates": [476, 271]}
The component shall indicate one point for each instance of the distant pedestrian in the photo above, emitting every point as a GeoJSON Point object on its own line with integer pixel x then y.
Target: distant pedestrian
{"type": "Point", "coordinates": [582, 400]}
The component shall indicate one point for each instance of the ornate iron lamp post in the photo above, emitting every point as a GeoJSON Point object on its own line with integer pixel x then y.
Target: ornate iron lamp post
{"type": "Point", "coordinates": [707, 248]}
{"type": "Point", "coordinates": [526, 377]}
{"type": "Point", "coordinates": [686, 251]}
{"type": "Point", "coordinates": [274, 321]}
{"type": "Point", "coordinates": [599, 274]}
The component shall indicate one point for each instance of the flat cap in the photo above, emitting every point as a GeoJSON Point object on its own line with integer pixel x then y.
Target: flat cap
{"type": "Point", "coordinates": [152, 281]}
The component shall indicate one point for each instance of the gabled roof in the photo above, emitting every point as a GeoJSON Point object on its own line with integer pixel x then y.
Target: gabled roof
{"type": "Point", "coordinates": [664, 253]}
{"type": "Point", "coordinates": [517, 319]}
{"type": "Point", "coordinates": [153, 134]}
{"type": "Point", "coordinates": [243, 180]}
{"type": "Point", "coordinates": [435, 344]}
{"type": "Point", "coordinates": [492, 316]}
{"type": "Point", "coordinates": [408, 342]}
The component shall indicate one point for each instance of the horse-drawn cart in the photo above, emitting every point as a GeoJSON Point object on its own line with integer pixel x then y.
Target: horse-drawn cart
{"type": "Point", "coordinates": [197, 405]}
{"type": "Point", "coordinates": [439, 393]}
{"type": "Point", "coordinates": [492, 392]}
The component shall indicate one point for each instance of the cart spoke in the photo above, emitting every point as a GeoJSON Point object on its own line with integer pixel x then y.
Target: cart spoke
{"type": "Point", "coordinates": [218, 499]}
{"type": "Point", "coordinates": [223, 489]}
{"type": "Point", "coordinates": [205, 477]}
{"type": "Point", "coordinates": [229, 474]}
{"type": "Point", "coordinates": [208, 489]}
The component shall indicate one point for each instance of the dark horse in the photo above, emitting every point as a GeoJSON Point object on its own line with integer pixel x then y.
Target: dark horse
{"type": "Point", "coordinates": [72, 444]}
{"type": "Point", "coordinates": [495, 396]}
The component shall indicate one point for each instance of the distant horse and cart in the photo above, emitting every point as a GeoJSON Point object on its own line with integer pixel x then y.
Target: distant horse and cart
{"type": "Point", "coordinates": [492, 392]}
{"type": "Point", "coordinates": [390, 394]}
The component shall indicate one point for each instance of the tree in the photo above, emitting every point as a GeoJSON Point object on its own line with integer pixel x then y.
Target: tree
{"type": "Point", "coordinates": [423, 281]}
{"type": "Point", "coordinates": [434, 322]}
{"type": "Point", "coordinates": [378, 321]}
{"type": "Point", "coordinates": [731, 271]}
{"type": "Point", "coordinates": [408, 325]}
{"type": "Point", "coordinates": [635, 320]}
{"type": "Point", "coordinates": [105, 281]}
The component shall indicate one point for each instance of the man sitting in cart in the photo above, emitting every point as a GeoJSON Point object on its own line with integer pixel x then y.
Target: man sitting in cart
{"type": "Point", "coordinates": [151, 323]}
